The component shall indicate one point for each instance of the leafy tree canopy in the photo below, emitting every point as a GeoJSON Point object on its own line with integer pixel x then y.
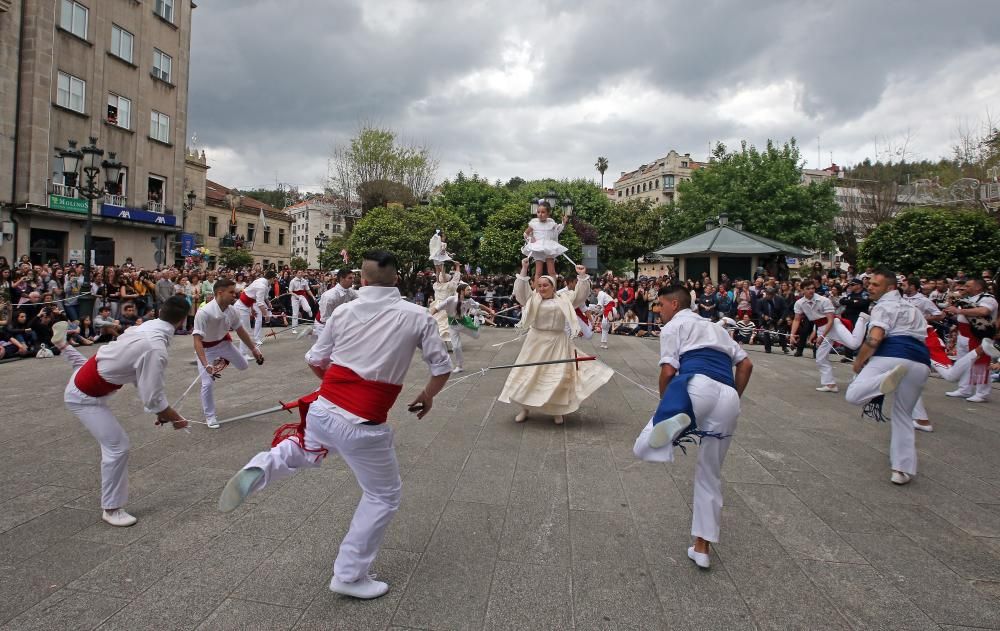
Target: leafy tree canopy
{"type": "Point", "coordinates": [235, 258]}
{"type": "Point", "coordinates": [298, 263]}
{"type": "Point", "coordinates": [474, 199]}
{"type": "Point", "coordinates": [761, 188]}
{"type": "Point", "coordinates": [934, 242]}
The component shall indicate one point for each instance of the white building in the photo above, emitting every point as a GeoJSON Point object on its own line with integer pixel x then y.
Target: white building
{"type": "Point", "coordinates": [310, 218]}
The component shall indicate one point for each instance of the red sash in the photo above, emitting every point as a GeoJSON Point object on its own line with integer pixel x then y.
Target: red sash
{"type": "Point", "coordinates": [825, 319]}
{"type": "Point", "coordinates": [936, 348]}
{"type": "Point", "coordinates": [301, 292]}
{"type": "Point", "coordinates": [247, 300]}
{"type": "Point", "coordinates": [217, 342]}
{"type": "Point", "coordinates": [579, 314]}
{"type": "Point", "coordinates": [965, 330]}
{"type": "Point", "coordinates": [371, 400]}
{"type": "Point", "coordinates": [981, 367]}
{"type": "Point", "coordinates": [608, 308]}
{"type": "Point", "coordinates": [91, 383]}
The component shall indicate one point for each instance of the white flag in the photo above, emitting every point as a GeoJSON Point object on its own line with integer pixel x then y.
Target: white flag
{"type": "Point", "coordinates": [263, 224]}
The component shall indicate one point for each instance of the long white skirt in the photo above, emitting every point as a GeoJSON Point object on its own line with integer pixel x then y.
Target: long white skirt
{"type": "Point", "coordinates": [555, 389]}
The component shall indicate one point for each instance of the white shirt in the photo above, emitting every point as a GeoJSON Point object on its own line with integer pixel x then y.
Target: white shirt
{"type": "Point", "coordinates": [982, 300]}
{"type": "Point", "coordinates": [688, 331]}
{"type": "Point", "coordinates": [212, 323]}
{"type": "Point", "coordinates": [333, 298]}
{"type": "Point", "coordinates": [923, 304]}
{"type": "Point", "coordinates": [139, 356]}
{"type": "Point", "coordinates": [603, 299]}
{"type": "Point", "coordinates": [256, 290]}
{"type": "Point", "coordinates": [376, 336]}
{"type": "Point", "coordinates": [816, 309]}
{"type": "Point", "coordinates": [548, 230]}
{"type": "Point", "coordinates": [896, 316]}
{"type": "Point", "coordinates": [298, 284]}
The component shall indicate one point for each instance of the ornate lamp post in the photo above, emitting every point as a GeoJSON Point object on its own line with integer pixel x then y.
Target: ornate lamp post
{"type": "Point", "coordinates": [89, 159]}
{"type": "Point", "coordinates": [321, 240]}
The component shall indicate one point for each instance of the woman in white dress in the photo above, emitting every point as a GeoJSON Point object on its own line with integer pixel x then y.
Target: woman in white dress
{"type": "Point", "coordinates": [542, 240]}
{"type": "Point", "coordinates": [439, 254]}
{"type": "Point", "coordinates": [554, 389]}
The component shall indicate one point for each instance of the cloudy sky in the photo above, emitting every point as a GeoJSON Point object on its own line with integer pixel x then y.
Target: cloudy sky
{"type": "Point", "coordinates": [540, 88]}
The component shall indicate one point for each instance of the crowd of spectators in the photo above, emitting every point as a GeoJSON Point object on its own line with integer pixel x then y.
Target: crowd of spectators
{"type": "Point", "coordinates": [33, 296]}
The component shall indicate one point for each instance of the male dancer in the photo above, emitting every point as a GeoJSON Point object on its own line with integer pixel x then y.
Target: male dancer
{"type": "Point", "coordinates": [607, 304]}
{"type": "Point", "coordinates": [138, 356]}
{"type": "Point", "coordinates": [254, 297]}
{"type": "Point", "coordinates": [362, 358]}
{"type": "Point", "coordinates": [893, 358]}
{"type": "Point", "coordinates": [700, 398]}
{"type": "Point", "coordinates": [214, 346]}
{"type": "Point", "coordinates": [299, 287]}
{"type": "Point", "coordinates": [342, 292]}
{"type": "Point", "coordinates": [976, 385]}
{"type": "Point", "coordinates": [820, 311]}
{"type": "Point", "coordinates": [912, 295]}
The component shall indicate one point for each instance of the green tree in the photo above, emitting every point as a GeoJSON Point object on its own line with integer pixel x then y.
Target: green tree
{"type": "Point", "coordinates": [280, 197]}
{"type": "Point", "coordinates": [331, 258]}
{"type": "Point", "coordinates": [473, 199]}
{"type": "Point", "coordinates": [934, 242]}
{"type": "Point", "coordinates": [503, 237]}
{"type": "Point", "coordinates": [761, 188]}
{"type": "Point", "coordinates": [406, 233]}
{"type": "Point", "coordinates": [629, 231]}
{"type": "Point", "coordinates": [601, 165]}
{"type": "Point", "coordinates": [235, 258]}
{"type": "Point", "coordinates": [298, 263]}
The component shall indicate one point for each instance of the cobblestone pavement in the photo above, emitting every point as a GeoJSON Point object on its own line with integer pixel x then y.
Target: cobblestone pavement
{"type": "Point", "coordinates": [504, 525]}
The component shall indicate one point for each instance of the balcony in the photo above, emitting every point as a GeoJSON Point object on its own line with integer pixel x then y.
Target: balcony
{"type": "Point", "coordinates": [155, 207]}
{"type": "Point", "coordinates": [115, 200]}
{"type": "Point", "coordinates": [62, 190]}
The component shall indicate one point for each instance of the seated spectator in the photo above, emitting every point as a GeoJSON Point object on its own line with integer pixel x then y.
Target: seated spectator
{"type": "Point", "coordinates": [629, 325]}
{"type": "Point", "coordinates": [33, 305]}
{"type": "Point", "coordinates": [107, 328]}
{"type": "Point", "coordinates": [129, 316]}
{"type": "Point", "coordinates": [20, 334]}
{"type": "Point", "coordinates": [745, 330]}
{"type": "Point", "coordinates": [41, 328]}
{"type": "Point", "coordinates": [87, 332]}
{"type": "Point", "coordinates": [73, 336]}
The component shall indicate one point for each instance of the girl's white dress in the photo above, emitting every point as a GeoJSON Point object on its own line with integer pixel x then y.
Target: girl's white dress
{"type": "Point", "coordinates": [554, 389]}
{"type": "Point", "coordinates": [438, 250]}
{"type": "Point", "coordinates": [442, 291]}
{"type": "Point", "coordinates": [544, 240]}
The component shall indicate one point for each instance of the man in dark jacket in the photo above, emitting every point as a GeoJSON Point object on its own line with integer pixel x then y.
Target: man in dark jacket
{"type": "Point", "coordinates": [772, 310]}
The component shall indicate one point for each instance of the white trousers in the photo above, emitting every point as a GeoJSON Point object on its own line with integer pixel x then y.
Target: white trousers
{"type": "Point", "coordinates": [457, 331]}
{"type": "Point", "coordinates": [223, 350]}
{"type": "Point", "coordinates": [299, 302]}
{"type": "Point", "coordinates": [368, 450]}
{"type": "Point", "coordinates": [967, 387]}
{"type": "Point", "coordinates": [716, 409]}
{"type": "Point", "coordinates": [949, 373]}
{"type": "Point", "coordinates": [605, 329]}
{"type": "Point", "coordinates": [838, 333]}
{"type": "Point", "coordinates": [103, 426]}
{"type": "Point", "coordinates": [258, 324]}
{"type": "Point", "coordinates": [865, 387]}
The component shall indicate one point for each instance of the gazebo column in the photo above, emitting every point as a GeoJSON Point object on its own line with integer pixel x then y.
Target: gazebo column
{"type": "Point", "coordinates": [754, 262]}
{"type": "Point", "coordinates": [682, 268]}
{"type": "Point", "coordinates": [713, 268]}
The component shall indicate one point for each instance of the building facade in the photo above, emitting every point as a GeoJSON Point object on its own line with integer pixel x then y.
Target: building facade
{"type": "Point", "coordinates": [311, 218]}
{"type": "Point", "coordinates": [209, 221]}
{"type": "Point", "coordinates": [656, 181]}
{"type": "Point", "coordinates": [114, 70]}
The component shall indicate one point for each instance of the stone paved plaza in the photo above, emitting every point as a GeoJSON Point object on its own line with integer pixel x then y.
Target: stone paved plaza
{"type": "Point", "coordinates": [504, 525]}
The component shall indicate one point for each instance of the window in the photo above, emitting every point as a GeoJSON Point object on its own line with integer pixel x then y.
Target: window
{"type": "Point", "coordinates": [161, 65]}
{"type": "Point", "coordinates": [281, 236]}
{"type": "Point", "coordinates": [668, 181]}
{"type": "Point", "coordinates": [165, 9]}
{"type": "Point", "coordinates": [251, 229]}
{"type": "Point", "coordinates": [73, 18]}
{"type": "Point", "coordinates": [121, 43]}
{"type": "Point", "coordinates": [232, 230]}
{"type": "Point", "coordinates": [267, 234]}
{"type": "Point", "coordinates": [213, 226]}
{"type": "Point", "coordinates": [156, 193]}
{"type": "Point", "coordinates": [656, 183]}
{"type": "Point", "coordinates": [159, 126]}
{"type": "Point", "coordinates": [119, 111]}
{"type": "Point", "coordinates": [619, 193]}
{"type": "Point", "coordinates": [71, 92]}
{"type": "Point", "coordinates": [684, 165]}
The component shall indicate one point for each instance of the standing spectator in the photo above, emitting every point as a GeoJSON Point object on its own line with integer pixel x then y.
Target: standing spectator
{"type": "Point", "coordinates": [164, 288]}
{"type": "Point", "coordinates": [71, 287]}
{"type": "Point", "coordinates": [744, 299]}
{"type": "Point", "coordinates": [723, 302]}
{"type": "Point", "coordinates": [626, 298]}
{"type": "Point", "coordinates": [773, 310]}
{"type": "Point", "coordinates": [707, 303]}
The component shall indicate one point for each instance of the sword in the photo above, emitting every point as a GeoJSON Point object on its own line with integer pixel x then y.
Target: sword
{"type": "Point", "coordinates": [270, 410]}
{"type": "Point", "coordinates": [573, 360]}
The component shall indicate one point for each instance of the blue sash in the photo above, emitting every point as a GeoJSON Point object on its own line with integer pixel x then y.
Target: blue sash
{"type": "Point", "coordinates": [904, 347]}
{"type": "Point", "coordinates": [713, 364]}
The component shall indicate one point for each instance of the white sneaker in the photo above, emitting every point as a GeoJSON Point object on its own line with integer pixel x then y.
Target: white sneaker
{"type": "Point", "coordinates": [604, 345]}
{"type": "Point", "coordinates": [238, 488]}
{"type": "Point", "coordinates": [59, 334]}
{"type": "Point", "coordinates": [700, 559]}
{"type": "Point", "coordinates": [977, 398]}
{"type": "Point", "coordinates": [988, 347]}
{"type": "Point", "coordinates": [118, 517]}
{"type": "Point", "coordinates": [212, 422]}
{"type": "Point", "coordinates": [923, 428]}
{"type": "Point", "coordinates": [825, 388]}
{"type": "Point", "coordinates": [957, 393]}
{"type": "Point", "coordinates": [295, 330]}
{"type": "Point", "coordinates": [900, 478]}
{"type": "Point", "coordinates": [521, 416]}
{"type": "Point", "coordinates": [456, 369]}
{"type": "Point", "coordinates": [365, 588]}
{"type": "Point", "coordinates": [558, 420]}
{"type": "Point", "coordinates": [666, 431]}
{"type": "Point", "coordinates": [891, 381]}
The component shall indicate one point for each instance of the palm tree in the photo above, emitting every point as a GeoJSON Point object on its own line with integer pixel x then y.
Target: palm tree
{"type": "Point", "coordinates": [602, 166]}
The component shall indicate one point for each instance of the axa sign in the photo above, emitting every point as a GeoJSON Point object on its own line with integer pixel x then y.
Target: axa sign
{"type": "Point", "coordinates": [137, 215]}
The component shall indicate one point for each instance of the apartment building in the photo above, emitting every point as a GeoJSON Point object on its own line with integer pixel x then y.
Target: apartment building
{"type": "Point", "coordinates": [312, 217]}
{"type": "Point", "coordinates": [656, 181]}
{"type": "Point", "coordinates": [114, 70]}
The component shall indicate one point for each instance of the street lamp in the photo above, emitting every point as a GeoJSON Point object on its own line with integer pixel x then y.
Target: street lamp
{"type": "Point", "coordinates": [552, 198]}
{"type": "Point", "coordinates": [321, 240]}
{"type": "Point", "coordinates": [192, 196]}
{"type": "Point", "coordinates": [567, 207]}
{"type": "Point", "coordinates": [89, 158]}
